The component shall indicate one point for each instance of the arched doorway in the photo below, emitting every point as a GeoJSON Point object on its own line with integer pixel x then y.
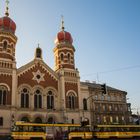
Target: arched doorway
{"type": "Point", "coordinates": [38, 120]}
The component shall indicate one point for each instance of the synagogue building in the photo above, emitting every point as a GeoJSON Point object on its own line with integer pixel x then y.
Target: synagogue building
{"type": "Point", "coordinates": [37, 93]}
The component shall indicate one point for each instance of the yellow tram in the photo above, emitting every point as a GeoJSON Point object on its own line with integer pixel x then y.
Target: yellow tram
{"type": "Point", "coordinates": [31, 131]}
{"type": "Point", "coordinates": [106, 132]}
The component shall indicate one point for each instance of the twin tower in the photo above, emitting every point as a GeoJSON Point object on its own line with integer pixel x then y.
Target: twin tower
{"type": "Point", "coordinates": [63, 51]}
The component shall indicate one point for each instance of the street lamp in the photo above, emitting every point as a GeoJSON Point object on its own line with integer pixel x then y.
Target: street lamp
{"type": "Point", "coordinates": [92, 107]}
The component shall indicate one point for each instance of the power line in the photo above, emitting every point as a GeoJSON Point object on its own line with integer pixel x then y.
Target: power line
{"type": "Point", "coordinates": [113, 70]}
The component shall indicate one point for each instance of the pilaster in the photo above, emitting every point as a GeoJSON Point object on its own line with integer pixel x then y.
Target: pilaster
{"type": "Point", "coordinates": [14, 85]}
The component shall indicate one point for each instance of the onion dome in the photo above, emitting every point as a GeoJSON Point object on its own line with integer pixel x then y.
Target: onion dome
{"type": "Point", "coordinates": [6, 23]}
{"type": "Point", "coordinates": [63, 36]}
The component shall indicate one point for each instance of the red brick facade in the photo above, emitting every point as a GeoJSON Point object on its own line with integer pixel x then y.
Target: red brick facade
{"type": "Point", "coordinates": [7, 80]}
{"type": "Point", "coordinates": [27, 78]}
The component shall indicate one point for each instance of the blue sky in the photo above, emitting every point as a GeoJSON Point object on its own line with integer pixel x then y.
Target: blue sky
{"type": "Point", "coordinates": [106, 36]}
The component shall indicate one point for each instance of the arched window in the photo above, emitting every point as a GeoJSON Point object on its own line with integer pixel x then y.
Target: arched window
{"type": "Point", "coordinates": [5, 45]}
{"type": "Point", "coordinates": [62, 57]}
{"type": "Point", "coordinates": [68, 58]}
{"type": "Point", "coordinates": [37, 99]}
{"type": "Point", "coordinates": [84, 104]}
{"type": "Point", "coordinates": [25, 98]}
{"type": "Point", "coordinates": [3, 95]}
{"type": "Point", "coordinates": [50, 100]}
{"type": "Point", "coordinates": [71, 100]}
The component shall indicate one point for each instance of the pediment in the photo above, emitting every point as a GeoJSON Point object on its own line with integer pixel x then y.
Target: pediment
{"type": "Point", "coordinates": [38, 69]}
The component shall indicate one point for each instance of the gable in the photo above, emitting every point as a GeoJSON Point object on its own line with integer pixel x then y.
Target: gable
{"type": "Point", "coordinates": [37, 73]}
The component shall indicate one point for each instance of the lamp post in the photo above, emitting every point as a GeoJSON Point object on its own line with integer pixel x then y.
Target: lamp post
{"type": "Point", "coordinates": [92, 108]}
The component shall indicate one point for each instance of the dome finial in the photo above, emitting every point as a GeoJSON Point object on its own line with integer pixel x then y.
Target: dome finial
{"type": "Point", "coordinates": [62, 23]}
{"type": "Point", "coordinates": [7, 8]}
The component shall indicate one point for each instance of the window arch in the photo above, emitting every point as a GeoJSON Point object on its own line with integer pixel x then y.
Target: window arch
{"type": "Point", "coordinates": [38, 120]}
{"type": "Point", "coordinates": [37, 99]}
{"type": "Point", "coordinates": [25, 119]}
{"type": "Point", "coordinates": [3, 95]}
{"type": "Point", "coordinates": [50, 100]}
{"type": "Point", "coordinates": [51, 120]}
{"type": "Point", "coordinates": [71, 100]}
{"type": "Point", "coordinates": [25, 98]}
{"type": "Point", "coordinates": [84, 104]}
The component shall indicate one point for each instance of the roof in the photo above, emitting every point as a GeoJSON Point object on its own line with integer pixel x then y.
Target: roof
{"type": "Point", "coordinates": [95, 85]}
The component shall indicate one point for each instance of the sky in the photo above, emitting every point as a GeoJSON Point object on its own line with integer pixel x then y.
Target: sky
{"type": "Point", "coordinates": [106, 36]}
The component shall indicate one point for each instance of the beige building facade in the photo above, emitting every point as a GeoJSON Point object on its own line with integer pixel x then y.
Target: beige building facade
{"type": "Point", "coordinates": [37, 93]}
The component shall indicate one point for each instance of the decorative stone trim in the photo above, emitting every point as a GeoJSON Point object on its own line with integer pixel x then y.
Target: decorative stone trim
{"type": "Point", "coordinates": [9, 35]}
{"type": "Point", "coordinates": [33, 64]}
{"type": "Point", "coordinates": [3, 84]}
{"type": "Point", "coordinates": [71, 91]}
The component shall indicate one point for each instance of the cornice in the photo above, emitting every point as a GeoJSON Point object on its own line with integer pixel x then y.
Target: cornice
{"type": "Point", "coordinates": [9, 35]}
{"type": "Point", "coordinates": [71, 80]}
{"type": "Point", "coordinates": [6, 60]}
{"type": "Point", "coordinates": [64, 46]}
{"type": "Point", "coordinates": [5, 71]}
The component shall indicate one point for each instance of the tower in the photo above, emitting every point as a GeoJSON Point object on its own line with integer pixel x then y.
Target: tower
{"type": "Point", "coordinates": [64, 50]}
{"type": "Point", "coordinates": [8, 41]}
{"type": "Point", "coordinates": [69, 81]}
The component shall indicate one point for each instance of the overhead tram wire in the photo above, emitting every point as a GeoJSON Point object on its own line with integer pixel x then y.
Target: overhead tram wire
{"type": "Point", "coordinates": [113, 70]}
